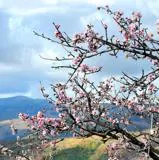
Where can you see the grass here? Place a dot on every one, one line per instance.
(91, 148)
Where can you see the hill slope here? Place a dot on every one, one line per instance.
(11, 107)
(91, 148)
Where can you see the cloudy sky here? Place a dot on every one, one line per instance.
(21, 68)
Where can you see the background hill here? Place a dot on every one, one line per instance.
(11, 107)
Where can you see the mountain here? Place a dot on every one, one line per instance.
(12, 106)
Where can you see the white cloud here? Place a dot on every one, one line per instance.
(150, 7)
(101, 2)
(95, 18)
(44, 66)
(53, 2)
(14, 23)
(154, 7)
(28, 94)
(27, 8)
(38, 62)
(24, 7)
(1, 4)
(90, 19)
(40, 10)
(5, 68)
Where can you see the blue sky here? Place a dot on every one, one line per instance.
(21, 68)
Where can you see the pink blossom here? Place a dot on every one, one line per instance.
(49, 120)
(157, 25)
(77, 120)
(23, 116)
(136, 16)
(104, 25)
(81, 94)
(103, 115)
(61, 115)
(52, 133)
(149, 36)
(95, 112)
(126, 36)
(110, 120)
(132, 27)
(44, 133)
(58, 34)
(77, 60)
(53, 144)
(41, 122)
(39, 114)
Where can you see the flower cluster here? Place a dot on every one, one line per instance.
(47, 126)
(77, 60)
(86, 68)
(90, 37)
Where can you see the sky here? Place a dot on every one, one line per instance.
(22, 69)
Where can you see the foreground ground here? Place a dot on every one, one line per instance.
(92, 148)
(77, 149)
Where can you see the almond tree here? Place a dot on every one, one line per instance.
(105, 109)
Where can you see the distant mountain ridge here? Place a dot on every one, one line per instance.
(12, 106)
